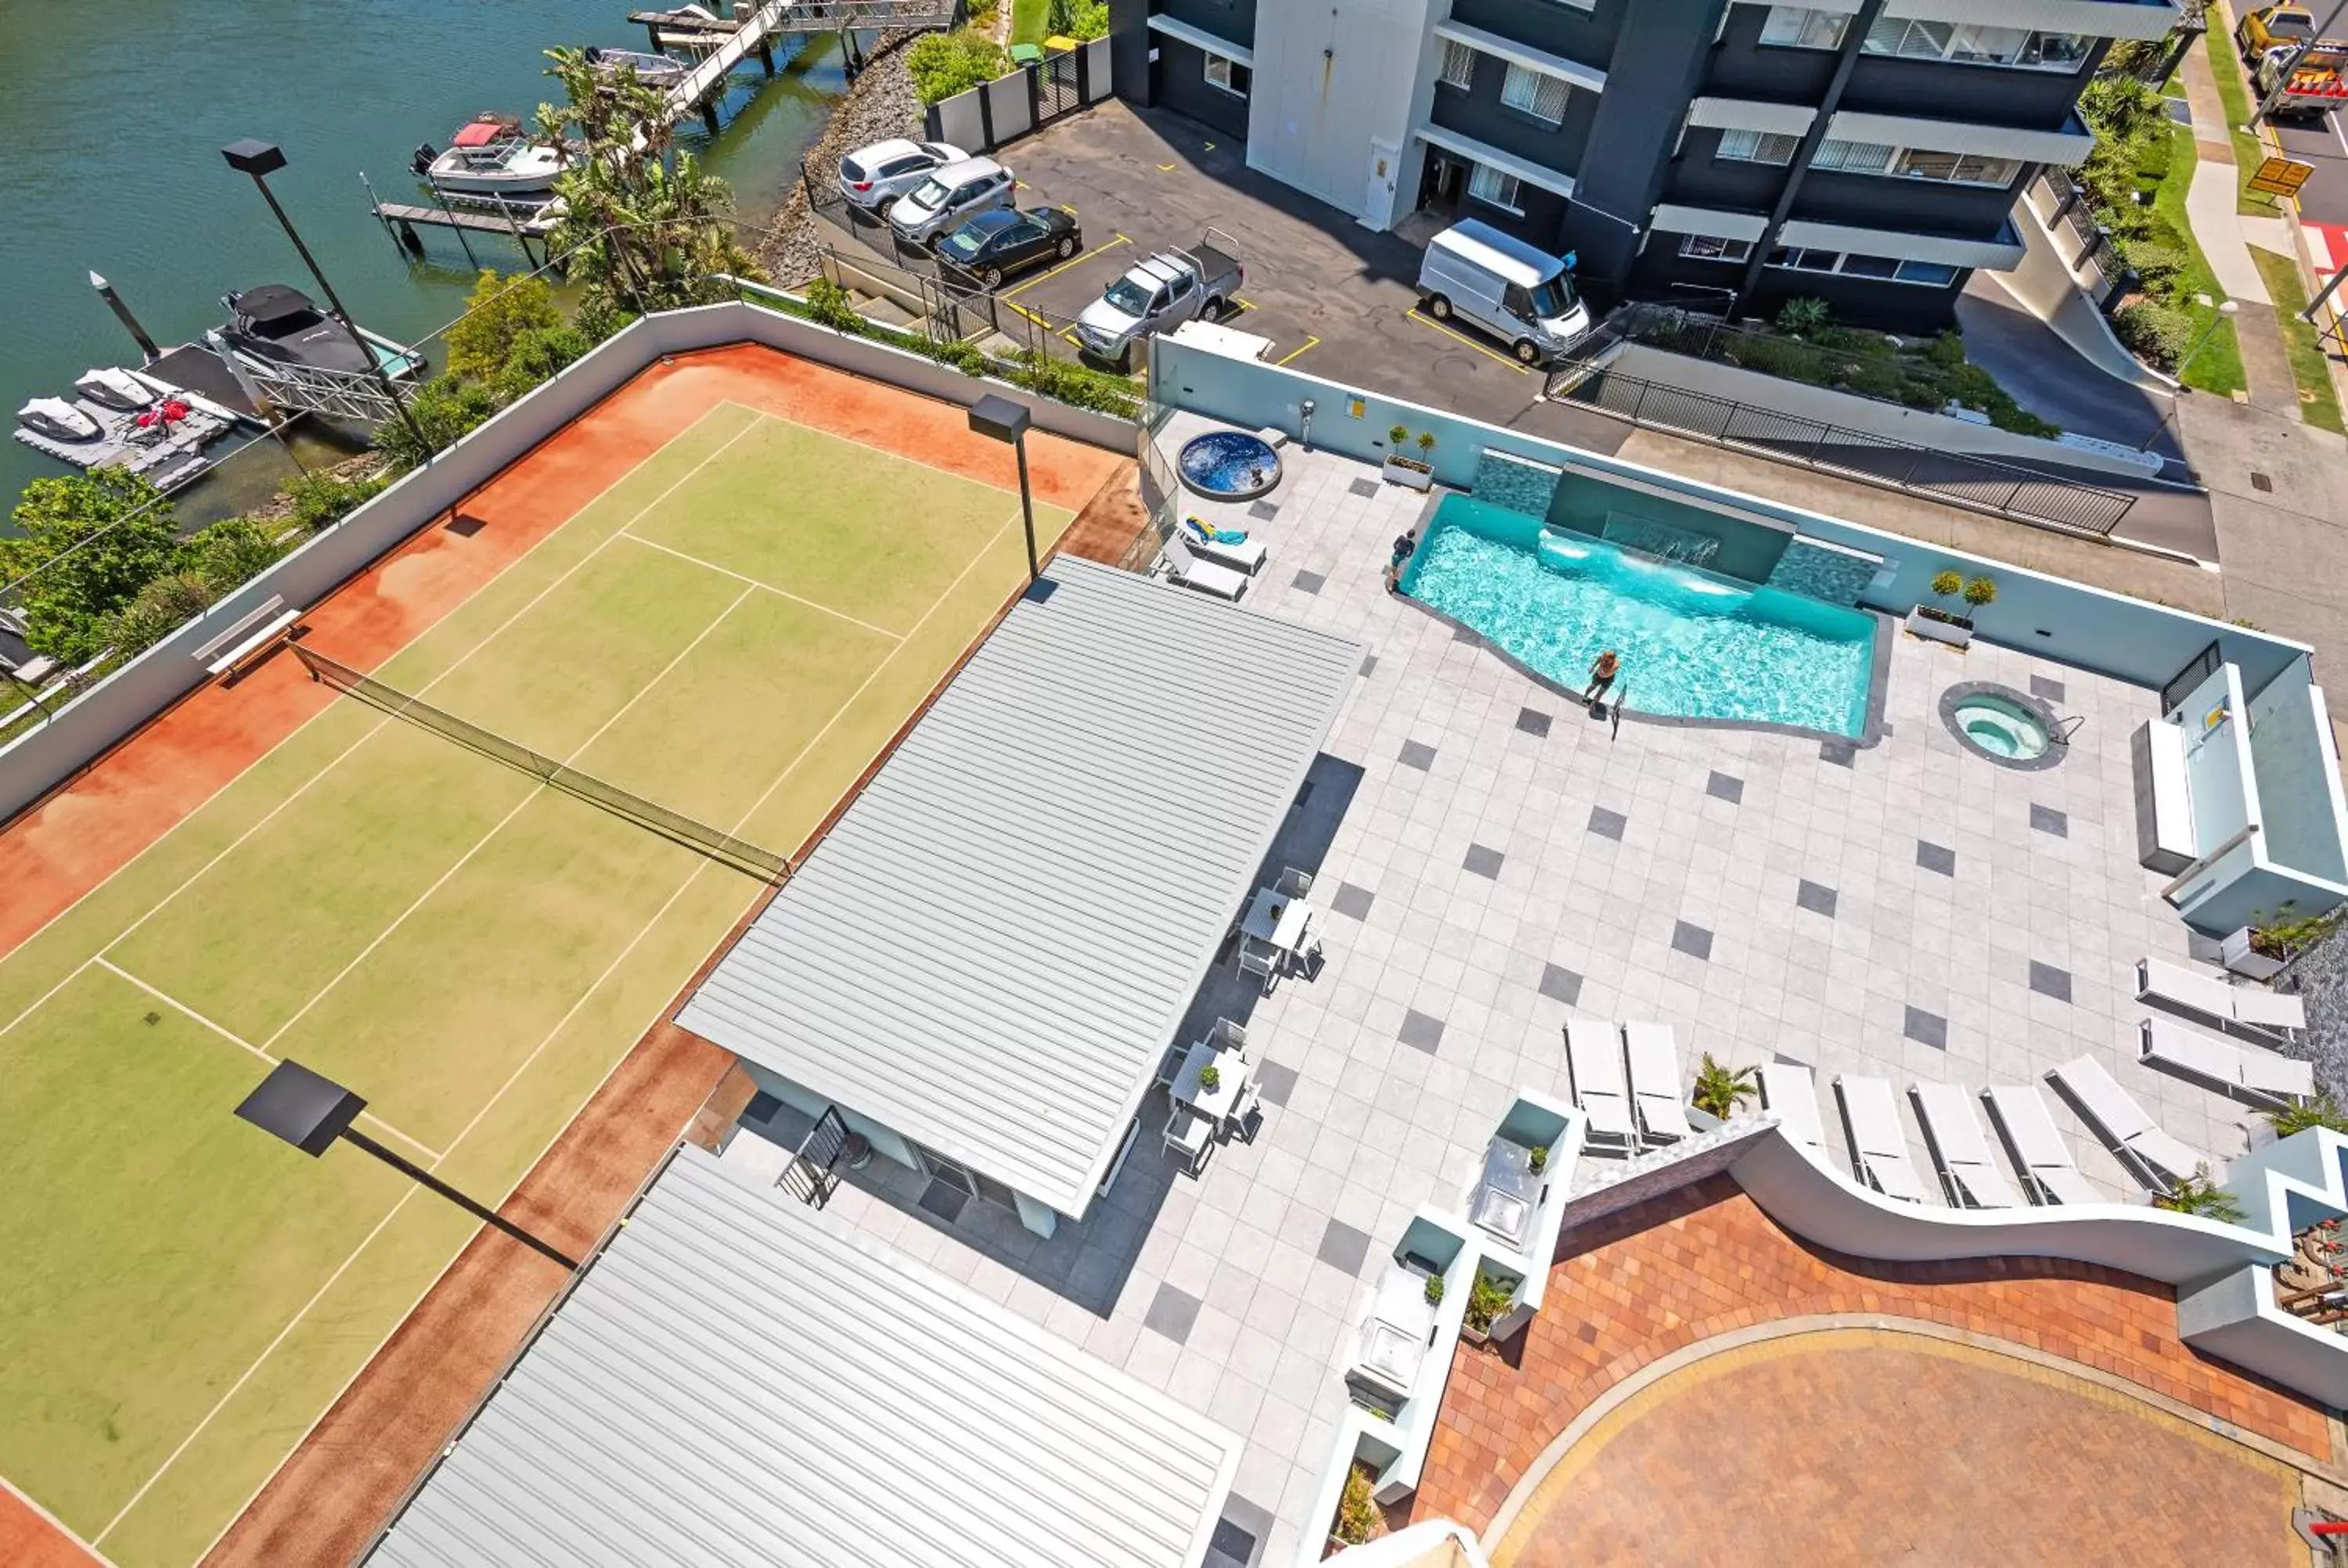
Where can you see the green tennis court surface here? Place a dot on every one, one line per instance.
(733, 631)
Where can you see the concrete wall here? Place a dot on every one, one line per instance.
(2298, 774)
(2130, 638)
(40, 760)
(1329, 80)
(2217, 761)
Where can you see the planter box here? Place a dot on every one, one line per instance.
(2248, 961)
(1933, 628)
(1407, 472)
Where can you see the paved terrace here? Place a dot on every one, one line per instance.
(1496, 863)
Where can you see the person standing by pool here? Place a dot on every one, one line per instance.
(1404, 545)
(1601, 676)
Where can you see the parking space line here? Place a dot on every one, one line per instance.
(1165, 169)
(1310, 342)
(1064, 266)
(1467, 341)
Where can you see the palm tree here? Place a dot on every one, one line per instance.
(2321, 1112)
(1720, 1090)
(2198, 1194)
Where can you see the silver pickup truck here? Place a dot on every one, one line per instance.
(1159, 294)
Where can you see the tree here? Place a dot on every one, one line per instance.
(2198, 1194)
(322, 500)
(1078, 19)
(443, 409)
(159, 610)
(1721, 1089)
(232, 551)
(497, 314)
(944, 64)
(88, 543)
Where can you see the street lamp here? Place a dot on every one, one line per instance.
(998, 417)
(311, 1112)
(262, 159)
(2226, 308)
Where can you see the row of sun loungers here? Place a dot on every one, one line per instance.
(1626, 1079)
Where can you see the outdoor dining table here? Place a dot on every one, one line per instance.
(1232, 1077)
(1280, 918)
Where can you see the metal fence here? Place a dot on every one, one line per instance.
(995, 114)
(1159, 492)
(2086, 246)
(1981, 482)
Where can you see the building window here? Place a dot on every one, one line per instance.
(1495, 186)
(1757, 146)
(1799, 27)
(1458, 64)
(1713, 247)
(1936, 274)
(1853, 156)
(1230, 76)
(1536, 93)
(1957, 168)
(1914, 38)
(1803, 260)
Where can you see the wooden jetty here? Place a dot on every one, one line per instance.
(516, 221)
(752, 33)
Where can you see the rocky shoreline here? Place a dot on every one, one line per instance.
(880, 104)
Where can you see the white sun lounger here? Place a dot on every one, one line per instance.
(1952, 1131)
(2190, 990)
(2255, 1007)
(1208, 576)
(1879, 1144)
(1248, 555)
(1656, 1089)
(1791, 1095)
(2238, 1069)
(2048, 1172)
(1594, 1051)
(2156, 1156)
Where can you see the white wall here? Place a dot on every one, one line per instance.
(1331, 77)
(2298, 776)
(2218, 760)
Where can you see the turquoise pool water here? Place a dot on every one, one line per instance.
(1694, 645)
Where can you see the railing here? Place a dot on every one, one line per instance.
(1963, 479)
(2085, 245)
(813, 1172)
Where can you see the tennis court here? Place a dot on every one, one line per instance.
(732, 630)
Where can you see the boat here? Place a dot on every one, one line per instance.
(657, 71)
(492, 155)
(59, 421)
(279, 321)
(116, 389)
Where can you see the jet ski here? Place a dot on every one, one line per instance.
(116, 389)
(58, 420)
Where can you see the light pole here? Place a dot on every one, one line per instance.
(997, 416)
(262, 159)
(2225, 308)
(311, 1112)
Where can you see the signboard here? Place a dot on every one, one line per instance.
(2281, 176)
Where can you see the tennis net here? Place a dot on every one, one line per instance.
(719, 846)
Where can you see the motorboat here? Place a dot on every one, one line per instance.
(59, 421)
(115, 389)
(492, 155)
(279, 321)
(659, 71)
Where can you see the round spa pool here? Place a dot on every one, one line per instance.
(1229, 465)
(2000, 725)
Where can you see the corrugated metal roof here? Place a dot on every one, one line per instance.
(740, 1379)
(992, 948)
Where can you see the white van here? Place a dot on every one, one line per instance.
(1472, 273)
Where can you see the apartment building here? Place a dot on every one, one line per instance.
(1866, 151)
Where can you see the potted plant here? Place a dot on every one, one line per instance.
(1407, 471)
(1491, 1297)
(1357, 1508)
(1210, 1078)
(2260, 950)
(1720, 1089)
(1434, 1290)
(1934, 624)
(1540, 1158)
(2198, 1194)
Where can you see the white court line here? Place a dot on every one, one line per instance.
(870, 446)
(767, 586)
(54, 1522)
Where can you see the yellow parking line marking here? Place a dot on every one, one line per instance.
(1207, 147)
(1243, 305)
(1467, 341)
(1064, 266)
(1024, 310)
(1071, 336)
(1165, 169)
(1310, 342)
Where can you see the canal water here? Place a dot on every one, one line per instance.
(115, 112)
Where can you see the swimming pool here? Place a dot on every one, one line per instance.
(1694, 645)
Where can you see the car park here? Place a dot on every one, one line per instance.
(1472, 273)
(1159, 294)
(1004, 241)
(873, 177)
(948, 196)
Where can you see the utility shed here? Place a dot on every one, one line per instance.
(741, 1380)
(992, 950)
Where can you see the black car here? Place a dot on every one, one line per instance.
(993, 245)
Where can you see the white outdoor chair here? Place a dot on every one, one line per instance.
(1952, 1131)
(1656, 1089)
(1192, 570)
(1171, 1065)
(1879, 1144)
(1789, 1094)
(2190, 990)
(2158, 1158)
(1228, 1036)
(1261, 959)
(1295, 884)
(1247, 1114)
(2242, 1070)
(1593, 1051)
(2255, 1007)
(2048, 1172)
(1189, 1134)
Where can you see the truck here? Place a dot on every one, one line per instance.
(1159, 294)
(2303, 79)
(2259, 33)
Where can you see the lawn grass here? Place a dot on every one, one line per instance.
(470, 951)
(1030, 20)
(2218, 365)
(2319, 402)
(2249, 151)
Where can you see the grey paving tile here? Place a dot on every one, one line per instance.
(2046, 819)
(1417, 754)
(1926, 1028)
(1934, 857)
(1818, 898)
(1608, 824)
(1533, 722)
(2046, 687)
(1725, 786)
(1351, 902)
(1265, 511)
(1482, 861)
(1172, 1313)
(944, 1200)
(1419, 1031)
(1366, 488)
(1344, 1247)
(1842, 753)
(1693, 940)
(1238, 1536)
(2049, 981)
(1309, 582)
(1560, 985)
(1276, 1081)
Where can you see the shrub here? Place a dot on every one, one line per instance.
(1075, 384)
(441, 410)
(2157, 333)
(87, 544)
(1720, 1089)
(534, 356)
(2321, 1112)
(231, 551)
(1807, 314)
(2121, 110)
(1491, 1297)
(1358, 1511)
(159, 608)
(828, 303)
(321, 500)
(1078, 19)
(1980, 591)
(600, 316)
(2157, 266)
(944, 64)
(964, 356)
(498, 313)
(1947, 584)
(1947, 350)
(2199, 1193)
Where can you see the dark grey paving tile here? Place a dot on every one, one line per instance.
(1816, 898)
(1725, 786)
(1482, 861)
(1419, 1031)
(1351, 902)
(1465, 634)
(1364, 488)
(1927, 1029)
(944, 1200)
(1342, 1246)
(1265, 511)
(1532, 722)
(1417, 754)
(1172, 1313)
(1842, 753)
(1239, 1534)
(1934, 857)
(1560, 985)
(1693, 940)
(2045, 688)
(2049, 981)
(1310, 581)
(1369, 663)
(1276, 1081)
(1608, 824)
(2046, 819)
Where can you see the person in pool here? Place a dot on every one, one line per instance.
(1402, 546)
(1601, 676)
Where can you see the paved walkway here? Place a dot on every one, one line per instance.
(2226, 238)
